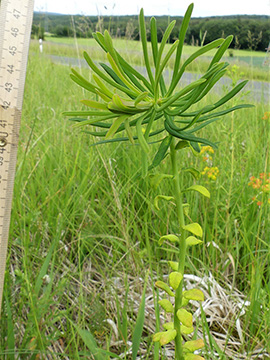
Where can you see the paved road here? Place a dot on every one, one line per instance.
(254, 91)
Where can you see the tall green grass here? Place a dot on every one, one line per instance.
(81, 220)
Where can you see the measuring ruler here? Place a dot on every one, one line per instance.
(15, 30)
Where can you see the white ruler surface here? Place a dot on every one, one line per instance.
(15, 30)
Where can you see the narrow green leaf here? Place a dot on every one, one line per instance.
(106, 78)
(187, 136)
(113, 75)
(110, 49)
(144, 45)
(78, 79)
(231, 94)
(149, 120)
(201, 126)
(195, 147)
(154, 43)
(119, 139)
(216, 77)
(100, 40)
(221, 50)
(161, 153)
(95, 120)
(192, 122)
(194, 228)
(163, 286)
(87, 113)
(103, 87)
(166, 305)
(141, 97)
(120, 104)
(199, 188)
(121, 75)
(175, 279)
(162, 45)
(129, 132)
(115, 125)
(171, 99)
(194, 294)
(164, 63)
(196, 54)
(182, 34)
(129, 69)
(135, 80)
(216, 114)
(144, 145)
(94, 104)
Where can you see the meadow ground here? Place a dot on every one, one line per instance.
(84, 232)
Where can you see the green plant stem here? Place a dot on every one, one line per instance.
(182, 250)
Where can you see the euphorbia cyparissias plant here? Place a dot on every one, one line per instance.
(147, 111)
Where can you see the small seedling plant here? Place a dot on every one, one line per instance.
(147, 111)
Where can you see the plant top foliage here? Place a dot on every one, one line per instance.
(139, 109)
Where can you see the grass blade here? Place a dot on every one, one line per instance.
(89, 340)
(136, 337)
(10, 335)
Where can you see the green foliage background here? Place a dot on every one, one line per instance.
(127, 26)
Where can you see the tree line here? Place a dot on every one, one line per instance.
(250, 32)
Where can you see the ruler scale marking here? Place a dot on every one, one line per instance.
(16, 21)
